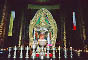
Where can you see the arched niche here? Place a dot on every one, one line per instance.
(43, 22)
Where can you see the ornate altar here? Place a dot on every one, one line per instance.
(43, 23)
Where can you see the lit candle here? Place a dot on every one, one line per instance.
(71, 52)
(27, 49)
(59, 52)
(48, 38)
(59, 47)
(65, 52)
(71, 48)
(34, 34)
(27, 56)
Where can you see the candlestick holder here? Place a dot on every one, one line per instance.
(15, 48)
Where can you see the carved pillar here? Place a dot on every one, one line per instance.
(3, 24)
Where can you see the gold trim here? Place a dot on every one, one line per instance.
(51, 21)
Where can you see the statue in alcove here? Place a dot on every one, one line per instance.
(43, 28)
(42, 40)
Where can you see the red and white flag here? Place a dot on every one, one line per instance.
(74, 21)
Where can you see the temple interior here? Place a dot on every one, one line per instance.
(43, 29)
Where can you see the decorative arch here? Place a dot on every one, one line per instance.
(43, 19)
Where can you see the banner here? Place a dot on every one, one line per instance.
(74, 21)
(11, 23)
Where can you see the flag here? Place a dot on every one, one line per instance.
(74, 21)
(11, 23)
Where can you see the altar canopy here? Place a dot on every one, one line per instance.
(43, 23)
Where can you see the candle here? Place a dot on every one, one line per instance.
(34, 34)
(59, 52)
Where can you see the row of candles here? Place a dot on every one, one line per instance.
(21, 53)
(34, 52)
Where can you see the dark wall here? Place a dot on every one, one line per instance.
(66, 8)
